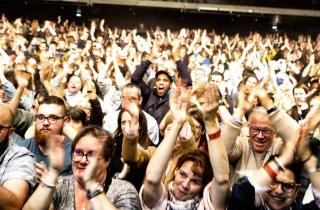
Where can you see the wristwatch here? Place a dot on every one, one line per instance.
(271, 109)
(94, 192)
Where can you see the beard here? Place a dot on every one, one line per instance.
(4, 144)
(41, 137)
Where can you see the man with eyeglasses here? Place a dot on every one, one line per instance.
(266, 124)
(49, 120)
(274, 185)
(17, 166)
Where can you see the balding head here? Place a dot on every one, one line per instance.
(6, 116)
(261, 132)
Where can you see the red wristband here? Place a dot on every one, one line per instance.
(270, 171)
(214, 136)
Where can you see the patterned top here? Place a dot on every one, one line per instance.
(163, 203)
(121, 193)
(17, 163)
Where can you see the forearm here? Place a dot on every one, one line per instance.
(286, 127)
(220, 166)
(182, 67)
(231, 131)
(8, 200)
(42, 197)
(129, 149)
(159, 161)
(224, 114)
(140, 71)
(14, 103)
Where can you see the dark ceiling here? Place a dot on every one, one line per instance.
(297, 4)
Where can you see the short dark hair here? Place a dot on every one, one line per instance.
(77, 115)
(302, 86)
(97, 132)
(54, 100)
(217, 73)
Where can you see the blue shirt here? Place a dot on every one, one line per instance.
(33, 147)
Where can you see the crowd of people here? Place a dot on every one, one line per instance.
(93, 117)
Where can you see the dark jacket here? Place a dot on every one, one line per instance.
(152, 103)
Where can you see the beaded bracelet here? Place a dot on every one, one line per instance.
(48, 185)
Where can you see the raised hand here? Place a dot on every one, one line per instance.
(46, 69)
(41, 169)
(22, 78)
(55, 153)
(206, 96)
(90, 173)
(132, 130)
(245, 100)
(179, 103)
(303, 146)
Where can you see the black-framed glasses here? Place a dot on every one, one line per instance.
(2, 127)
(51, 118)
(285, 186)
(78, 155)
(265, 131)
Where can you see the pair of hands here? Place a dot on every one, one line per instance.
(205, 96)
(247, 97)
(55, 146)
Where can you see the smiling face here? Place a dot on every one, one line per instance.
(91, 146)
(162, 84)
(261, 132)
(187, 184)
(276, 197)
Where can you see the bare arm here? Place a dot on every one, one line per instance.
(22, 80)
(8, 200)
(217, 151)
(159, 161)
(42, 197)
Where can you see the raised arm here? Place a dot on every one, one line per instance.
(42, 197)
(131, 152)
(100, 201)
(22, 78)
(182, 66)
(233, 126)
(152, 185)
(286, 127)
(207, 101)
(137, 78)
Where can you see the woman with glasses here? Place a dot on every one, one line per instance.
(89, 187)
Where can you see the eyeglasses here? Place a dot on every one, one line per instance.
(78, 155)
(2, 127)
(51, 118)
(265, 131)
(285, 186)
